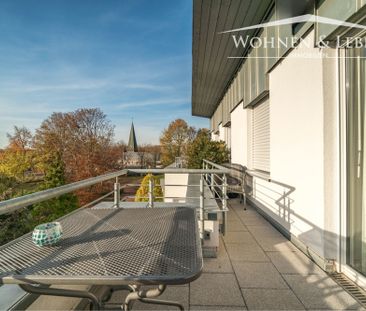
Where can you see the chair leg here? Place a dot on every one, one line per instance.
(145, 297)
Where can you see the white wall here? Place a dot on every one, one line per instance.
(178, 192)
(296, 127)
(239, 146)
(297, 146)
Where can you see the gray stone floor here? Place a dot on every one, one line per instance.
(256, 269)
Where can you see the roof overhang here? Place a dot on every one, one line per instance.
(212, 69)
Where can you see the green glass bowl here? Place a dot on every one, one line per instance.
(47, 234)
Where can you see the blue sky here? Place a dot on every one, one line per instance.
(131, 58)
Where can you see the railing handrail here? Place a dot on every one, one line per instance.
(218, 166)
(286, 194)
(268, 179)
(14, 204)
(179, 171)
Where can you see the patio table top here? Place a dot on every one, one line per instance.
(110, 247)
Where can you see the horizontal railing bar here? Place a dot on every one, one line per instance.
(171, 185)
(268, 188)
(14, 204)
(97, 200)
(215, 165)
(130, 185)
(267, 178)
(172, 198)
(264, 194)
(33, 198)
(180, 171)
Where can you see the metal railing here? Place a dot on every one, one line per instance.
(15, 204)
(250, 189)
(213, 180)
(283, 201)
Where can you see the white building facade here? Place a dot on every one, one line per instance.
(295, 117)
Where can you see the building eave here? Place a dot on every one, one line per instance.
(212, 71)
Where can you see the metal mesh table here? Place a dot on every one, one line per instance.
(111, 247)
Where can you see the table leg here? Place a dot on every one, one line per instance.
(146, 296)
(112, 289)
(41, 290)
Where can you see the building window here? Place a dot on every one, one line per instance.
(356, 159)
(261, 137)
(228, 137)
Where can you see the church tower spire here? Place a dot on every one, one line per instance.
(132, 142)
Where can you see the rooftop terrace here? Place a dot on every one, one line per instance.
(257, 268)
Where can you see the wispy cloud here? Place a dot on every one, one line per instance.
(149, 87)
(153, 102)
(58, 87)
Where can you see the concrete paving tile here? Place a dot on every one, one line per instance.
(239, 238)
(294, 263)
(276, 244)
(216, 308)
(249, 213)
(246, 252)
(235, 225)
(235, 220)
(271, 299)
(264, 231)
(240, 214)
(258, 275)
(221, 264)
(238, 208)
(214, 289)
(217, 265)
(48, 303)
(235, 203)
(321, 292)
(253, 220)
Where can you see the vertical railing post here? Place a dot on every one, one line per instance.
(245, 190)
(212, 181)
(284, 204)
(151, 192)
(224, 192)
(205, 168)
(224, 201)
(117, 193)
(202, 206)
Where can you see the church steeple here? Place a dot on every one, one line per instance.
(132, 142)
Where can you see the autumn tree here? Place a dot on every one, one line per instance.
(203, 147)
(175, 140)
(18, 158)
(82, 139)
(52, 209)
(21, 139)
(142, 194)
(116, 152)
